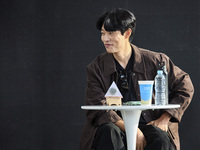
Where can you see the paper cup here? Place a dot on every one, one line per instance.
(146, 90)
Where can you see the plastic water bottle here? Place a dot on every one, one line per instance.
(162, 66)
(160, 87)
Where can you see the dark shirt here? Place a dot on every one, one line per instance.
(125, 83)
(125, 80)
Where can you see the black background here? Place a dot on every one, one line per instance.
(45, 46)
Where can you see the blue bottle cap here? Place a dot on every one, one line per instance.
(159, 72)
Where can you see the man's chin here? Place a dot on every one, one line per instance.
(109, 50)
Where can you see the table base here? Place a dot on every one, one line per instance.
(131, 119)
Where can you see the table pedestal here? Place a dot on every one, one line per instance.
(131, 119)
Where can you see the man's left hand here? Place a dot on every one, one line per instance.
(162, 122)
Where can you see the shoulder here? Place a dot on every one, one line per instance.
(148, 54)
(148, 58)
(100, 61)
(97, 60)
(152, 56)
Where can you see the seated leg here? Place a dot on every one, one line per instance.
(109, 137)
(156, 138)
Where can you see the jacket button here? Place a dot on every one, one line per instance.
(133, 73)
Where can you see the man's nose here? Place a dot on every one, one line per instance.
(105, 38)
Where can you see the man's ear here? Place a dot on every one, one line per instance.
(127, 33)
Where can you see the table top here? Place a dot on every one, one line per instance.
(125, 107)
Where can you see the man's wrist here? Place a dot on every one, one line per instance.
(166, 117)
(120, 124)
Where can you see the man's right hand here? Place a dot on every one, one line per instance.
(120, 124)
(140, 141)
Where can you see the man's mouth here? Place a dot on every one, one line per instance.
(107, 45)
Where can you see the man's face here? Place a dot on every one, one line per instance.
(113, 41)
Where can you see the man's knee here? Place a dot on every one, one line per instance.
(109, 137)
(155, 133)
(109, 128)
(157, 138)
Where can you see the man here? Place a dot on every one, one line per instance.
(125, 64)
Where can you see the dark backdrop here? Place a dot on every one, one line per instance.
(45, 46)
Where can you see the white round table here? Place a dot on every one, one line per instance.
(131, 116)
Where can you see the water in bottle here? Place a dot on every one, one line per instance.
(162, 66)
(160, 87)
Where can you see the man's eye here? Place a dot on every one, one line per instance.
(111, 32)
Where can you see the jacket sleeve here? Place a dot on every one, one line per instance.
(95, 91)
(181, 90)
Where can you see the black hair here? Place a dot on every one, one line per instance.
(117, 19)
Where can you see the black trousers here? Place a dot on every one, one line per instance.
(110, 137)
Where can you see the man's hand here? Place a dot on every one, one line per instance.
(161, 122)
(140, 141)
(120, 124)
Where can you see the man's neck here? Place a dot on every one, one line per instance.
(123, 56)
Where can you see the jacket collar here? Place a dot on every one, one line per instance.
(138, 64)
(110, 67)
(109, 64)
